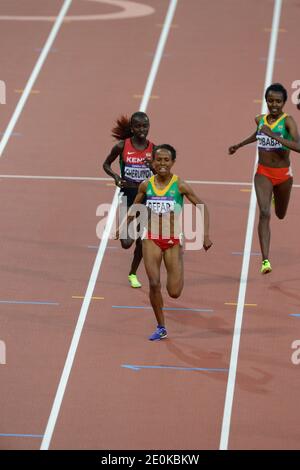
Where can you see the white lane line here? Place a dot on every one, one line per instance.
(59, 178)
(97, 264)
(100, 178)
(92, 178)
(34, 75)
(225, 183)
(129, 9)
(158, 54)
(247, 250)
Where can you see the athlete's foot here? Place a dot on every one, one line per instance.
(266, 267)
(159, 333)
(133, 280)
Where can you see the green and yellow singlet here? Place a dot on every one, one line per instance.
(164, 201)
(165, 209)
(278, 127)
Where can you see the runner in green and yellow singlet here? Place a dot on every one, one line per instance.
(277, 135)
(164, 194)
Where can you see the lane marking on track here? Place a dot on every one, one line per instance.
(245, 190)
(225, 183)
(31, 81)
(29, 302)
(129, 9)
(55, 178)
(188, 369)
(226, 421)
(173, 309)
(172, 25)
(253, 253)
(32, 92)
(96, 247)
(264, 59)
(235, 303)
(151, 54)
(37, 436)
(152, 97)
(99, 257)
(14, 134)
(82, 297)
(52, 50)
(100, 178)
(280, 30)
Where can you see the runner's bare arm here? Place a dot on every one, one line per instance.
(141, 193)
(252, 138)
(187, 191)
(114, 154)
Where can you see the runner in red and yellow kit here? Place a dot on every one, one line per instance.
(277, 134)
(134, 152)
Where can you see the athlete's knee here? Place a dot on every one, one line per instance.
(265, 213)
(154, 284)
(174, 292)
(280, 213)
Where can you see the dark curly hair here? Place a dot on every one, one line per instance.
(277, 87)
(166, 147)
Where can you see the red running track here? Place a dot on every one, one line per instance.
(204, 98)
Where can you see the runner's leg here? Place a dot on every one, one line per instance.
(282, 194)
(264, 190)
(152, 255)
(173, 260)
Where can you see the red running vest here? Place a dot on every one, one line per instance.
(134, 167)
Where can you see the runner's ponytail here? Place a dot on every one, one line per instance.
(122, 130)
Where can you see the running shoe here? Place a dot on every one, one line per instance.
(266, 267)
(159, 333)
(133, 280)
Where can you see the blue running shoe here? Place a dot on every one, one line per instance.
(159, 333)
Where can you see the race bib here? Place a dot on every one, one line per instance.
(137, 173)
(267, 143)
(161, 204)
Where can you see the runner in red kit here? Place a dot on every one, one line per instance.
(135, 154)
